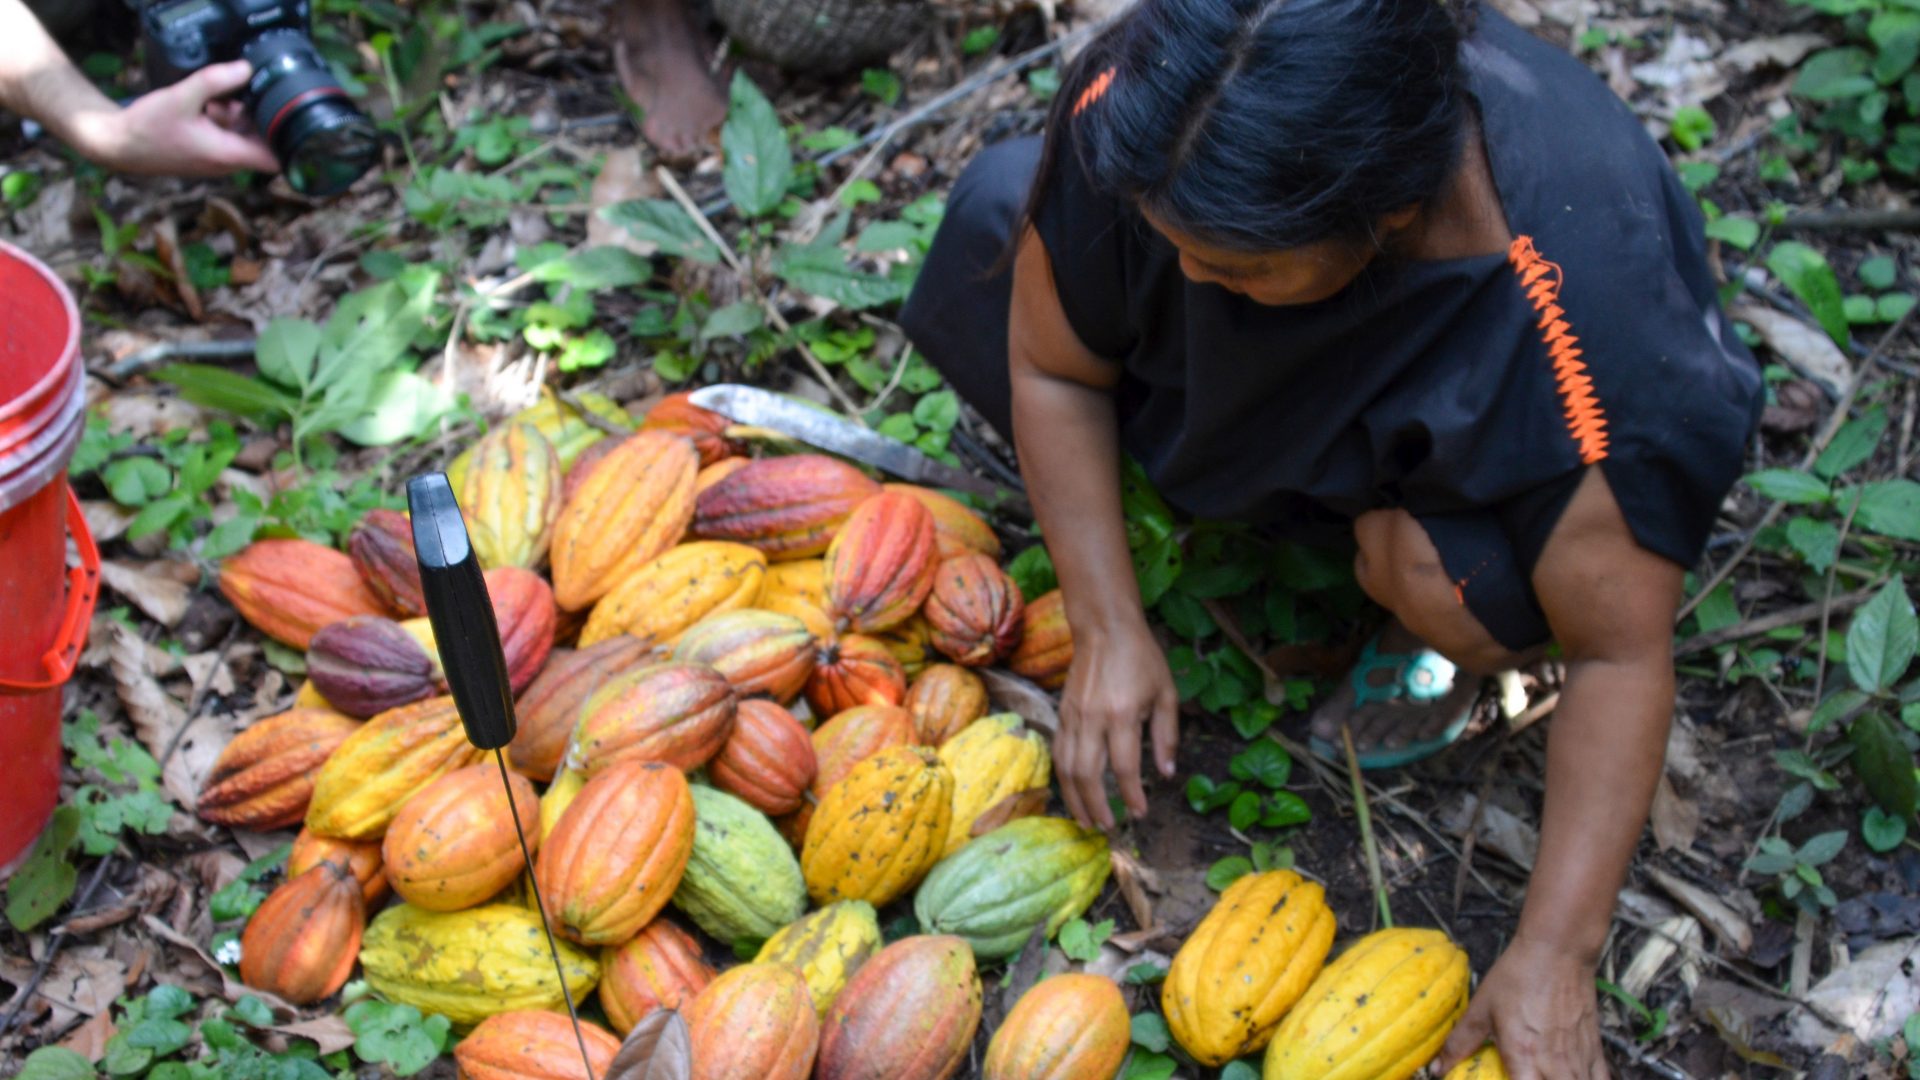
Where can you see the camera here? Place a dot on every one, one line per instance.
(323, 141)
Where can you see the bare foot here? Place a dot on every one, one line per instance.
(1398, 721)
(661, 59)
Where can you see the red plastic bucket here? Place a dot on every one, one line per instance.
(45, 606)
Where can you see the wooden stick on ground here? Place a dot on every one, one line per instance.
(1366, 829)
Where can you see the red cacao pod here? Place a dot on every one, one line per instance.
(1046, 643)
(768, 760)
(662, 968)
(706, 429)
(361, 858)
(759, 652)
(788, 507)
(523, 609)
(550, 709)
(289, 589)
(301, 942)
(855, 670)
(264, 777)
(909, 1013)
(533, 1044)
(717, 472)
(680, 714)
(452, 846)
(880, 564)
(617, 853)
(381, 547)
(754, 1021)
(944, 700)
(975, 610)
(368, 664)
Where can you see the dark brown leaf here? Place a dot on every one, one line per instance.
(658, 1048)
(166, 244)
(1021, 804)
(1011, 693)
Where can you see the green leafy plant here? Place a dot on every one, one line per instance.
(1653, 1021)
(1149, 1059)
(1866, 90)
(397, 1036)
(1798, 869)
(1081, 940)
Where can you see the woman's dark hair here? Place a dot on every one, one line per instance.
(1260, 125)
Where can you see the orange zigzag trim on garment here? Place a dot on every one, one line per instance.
(1095, 91)
(1586, 420)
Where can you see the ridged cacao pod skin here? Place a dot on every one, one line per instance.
(1068, 1027)
(879, 831)
(452, 846)
(841, 743)
(911, 643)
(975, 611)
(367, 664)
(759, 652)
(853, 671)
(826, 948)
(289, 589)
(264, 778)
(660, 969)
(943, 701)
(1380, 1011)
(523, 609)
(666, 597)
(710, 475)
(957, 529)
(1485, 1064)
(469, 965)
(880, 564)
(768, 761)
(301, 942)
(567, 432)
(533, 1044)
(510, 496)
(676, 414)
(754, 1021)
(1046, 644)
(1037, 871)
(633, 506)
(788, 507)
(742, 882)
(680, 714)
(582, 468)
(993, 758)
(361, 858)
(381, 547)
(559, 795)
(550, 708)
(617, 853)
(909, 1013)
(799, 588)
(379, 767)
(1246, 964)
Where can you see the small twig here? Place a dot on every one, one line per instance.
(1470, 840)
(1800, 972)
(1642, 1058)
(1826, 601)
(1366, 829)
(226, 349)
(1792, 616)
(1733, 969)
(1864, 220)
(592, 419)
(766, 303)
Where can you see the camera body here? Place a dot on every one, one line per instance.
(323, 141)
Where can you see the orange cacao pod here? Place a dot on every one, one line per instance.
(943, 700)
(452, 846)
(264, 777)
(630, 509)
(759, 652)
(880, 564)
(1068, 1027)
(523, 610)
(662, 968)
(582, 467)
(1046, 643)
(289, 589)
(680, 714)
(975, 611)
(380, 766)
(381, 547)
(617, 853)
(510, 495)
(755, 1020)
(768, 760)
(550, 709)
(667, 596)
(367, 664)
(855, 670)
(361, 858)
(718, 471)
(957, 529)
(706, 429)
(533, 1044)
(909, 1013)
(301, 942)
(788, 507)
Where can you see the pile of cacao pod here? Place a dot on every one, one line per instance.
(747, 692)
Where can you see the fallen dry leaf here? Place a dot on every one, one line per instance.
(166, 245)
(1782, 51)
(1500, 830)
(158, 718)
(89, 1040)
(230, 988)
(1011, 693)
(1668, 937)
(330, 1032)
(106, 520)
(1738, 1015)
(152, 589)
(1130, 876)
(1728, 927)
(658, 1048)
(1804, 347)
(1871, 997)
(1021, 804)
(1675, 818)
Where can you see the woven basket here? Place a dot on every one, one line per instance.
(822, 36)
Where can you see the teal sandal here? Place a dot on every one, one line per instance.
(1420, 678)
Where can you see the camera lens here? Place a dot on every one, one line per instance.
(322, 140)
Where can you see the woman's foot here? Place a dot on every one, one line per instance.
(1432, 697)
(661, 59)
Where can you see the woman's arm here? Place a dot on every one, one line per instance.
(1064, 424)
(1611, 605)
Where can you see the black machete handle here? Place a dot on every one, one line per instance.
(461, 613)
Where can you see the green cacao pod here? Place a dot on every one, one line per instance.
(741, 883)
(1032, 872)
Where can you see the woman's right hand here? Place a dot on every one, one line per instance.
(1118, 682)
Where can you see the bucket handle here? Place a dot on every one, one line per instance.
(83, 590)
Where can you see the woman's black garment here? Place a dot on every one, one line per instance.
(1471, 392)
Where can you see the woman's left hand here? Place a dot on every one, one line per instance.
(1539, 1007)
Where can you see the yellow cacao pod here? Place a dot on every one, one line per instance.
(826, 948)
(668, 595)
(469, 965)
(992, 759)
(1246, 964)
(632, 507)
(911, 643)
(510, 497)
(1380, 1011)
(1484, 1064)
(799, 588)
(880, 830)
(564, 428)
(379, 767)
(558, 796)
